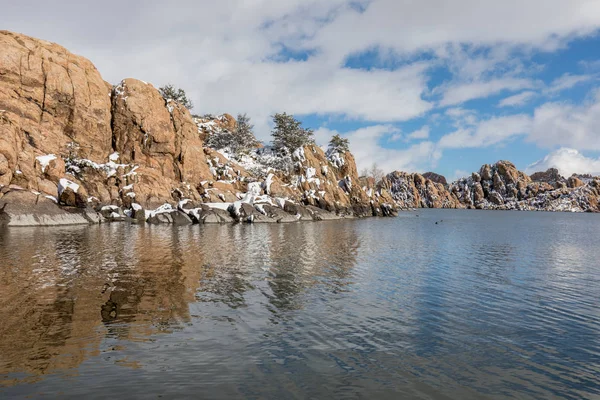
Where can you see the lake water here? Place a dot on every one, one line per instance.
(480, 305)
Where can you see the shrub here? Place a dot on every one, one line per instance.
(169, 92)
(289, 135)
(338, 144)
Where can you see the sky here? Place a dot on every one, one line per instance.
(428, 85)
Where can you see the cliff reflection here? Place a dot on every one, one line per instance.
(68, 294)
(65, 290)
(289, 258)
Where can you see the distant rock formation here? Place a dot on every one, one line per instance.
(437, 178)
(497, 187)
(502, 187)
(416, 191)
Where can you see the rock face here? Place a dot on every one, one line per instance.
(416, 191)
(551, 176)
(497, 187)
(24, 208)
(502, 187)
(437, 178)
(68, 134)
(48, 98)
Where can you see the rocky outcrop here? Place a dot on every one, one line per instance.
(210, 124)
(24, 208)
(73, 147)
(67, 134)
(48, 99)
(416, 191)
(437, 178)
(502, 187)
(497, 187)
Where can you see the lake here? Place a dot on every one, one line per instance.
(434, 304)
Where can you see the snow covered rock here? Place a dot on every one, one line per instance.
(70, 194)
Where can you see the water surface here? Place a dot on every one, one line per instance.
(480, 305)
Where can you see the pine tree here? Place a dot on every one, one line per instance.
(243, 139)
(338, 144)
(240, 141)
(169, 92)
(288, 134)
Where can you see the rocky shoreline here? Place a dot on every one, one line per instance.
(75, 149)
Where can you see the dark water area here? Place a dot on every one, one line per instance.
(480, 305)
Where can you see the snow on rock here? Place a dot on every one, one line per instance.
(45, 161)
(64, 183)
(220, 206)
(298, 155)
(165, 208)
(267, 183)
(336, 159)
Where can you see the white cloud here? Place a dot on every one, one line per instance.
(462, 92)
(488, 132)
(564, 124)
(422, 133)
(517, 100)
(567, 161)
(366, 147)
(567, 81)
(412, 26)
(233, 55)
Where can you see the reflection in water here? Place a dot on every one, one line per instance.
(482, 305)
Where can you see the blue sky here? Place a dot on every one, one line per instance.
(415, 86)
(576, 64)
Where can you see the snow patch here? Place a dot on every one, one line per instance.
(45, 161)
(64, 183)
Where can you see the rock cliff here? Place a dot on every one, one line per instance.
(497, 187)
(69, 138)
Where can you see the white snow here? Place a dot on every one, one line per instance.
(267, 183)
(130, 194)
(114, 157)
(128, 187)
(64, 183)
(280, 201)
(220, 206)
(165, 208)
(183, 203)
(336, 159)
(107, 208)
(136, 206)
(298, 154)
(45, 161)
(310, 172)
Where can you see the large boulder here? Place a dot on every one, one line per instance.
(49, 98)
(26, 208)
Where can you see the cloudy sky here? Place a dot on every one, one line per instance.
(415, 85)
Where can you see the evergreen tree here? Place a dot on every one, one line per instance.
(338, 144)
(169, 92)
(244, 139)
(288, 134)
(241, 141)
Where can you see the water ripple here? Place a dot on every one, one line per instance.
(480, 305)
